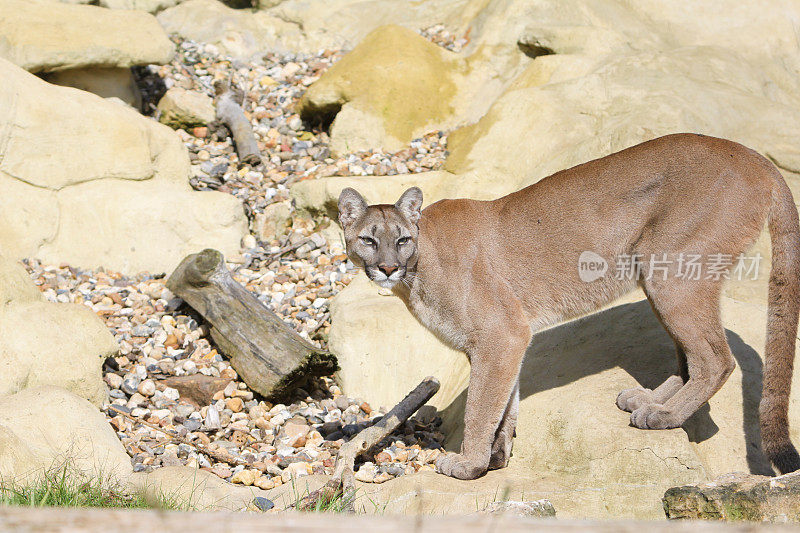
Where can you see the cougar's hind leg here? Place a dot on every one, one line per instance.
(504, 438)
(689, 310)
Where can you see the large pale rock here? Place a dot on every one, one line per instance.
(366, 348)
(194, 489)
(238, 33)
(43, 343)
(48, 427)
(344, 23)
(151, 6)
(179, 108)
(109, 173)
(304, 25)
(39, 35)
(737, 497)
(394, 86)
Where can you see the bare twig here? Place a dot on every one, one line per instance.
(229, 112)
(342, 483)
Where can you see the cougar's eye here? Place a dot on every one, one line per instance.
(368, 241)
(403, 240)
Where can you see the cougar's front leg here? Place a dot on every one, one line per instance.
(496, 359)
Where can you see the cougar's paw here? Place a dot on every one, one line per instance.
(653, 416)
(631, 399)
(457, 466)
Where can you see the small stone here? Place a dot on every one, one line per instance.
(147, 388)
(264, 483)
(366, 473)
(382, 477)
(130, 384)
(245, 477)
(114, 380)
(212, 420)
(298, 469)
(263, 504)
(234, 404)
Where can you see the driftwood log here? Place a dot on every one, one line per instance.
(342, 483)
(229, 101)
(268, 355)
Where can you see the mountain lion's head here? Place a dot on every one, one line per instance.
(381, 238)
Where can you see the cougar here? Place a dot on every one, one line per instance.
(484, 276)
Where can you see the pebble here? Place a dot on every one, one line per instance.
(244, 477)
(263, 504)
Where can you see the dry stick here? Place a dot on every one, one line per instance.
(342, 483)
(229, 112)
(218, 455)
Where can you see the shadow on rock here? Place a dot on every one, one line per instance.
(629, 337)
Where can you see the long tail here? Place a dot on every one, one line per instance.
(782, 317)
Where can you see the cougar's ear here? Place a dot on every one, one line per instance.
(410, 204)
(352, 206)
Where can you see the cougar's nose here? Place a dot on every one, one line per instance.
(386, 269)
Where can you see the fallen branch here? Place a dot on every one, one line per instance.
(268, 355)
(229, 111)
(342, 483)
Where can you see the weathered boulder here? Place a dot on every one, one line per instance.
(368, 351)
(179, 108)
(194, 489)
(87, 185)
(151, 6)
(303, 25)
(735, 497)
(532, 509)
(42, 36)
(238, 33)
(394, 86)
(274, 222)
(344, 23)
(47, 427)
(49, 344)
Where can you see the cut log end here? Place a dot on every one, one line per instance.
(315, 364)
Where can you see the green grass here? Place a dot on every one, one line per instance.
(64, 487)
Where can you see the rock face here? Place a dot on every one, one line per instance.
(88, 186)
(42, 36)
(48, 427)
(570, 432)
(553, 86)
(49, 344)
(736, 497)
(179, 108)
